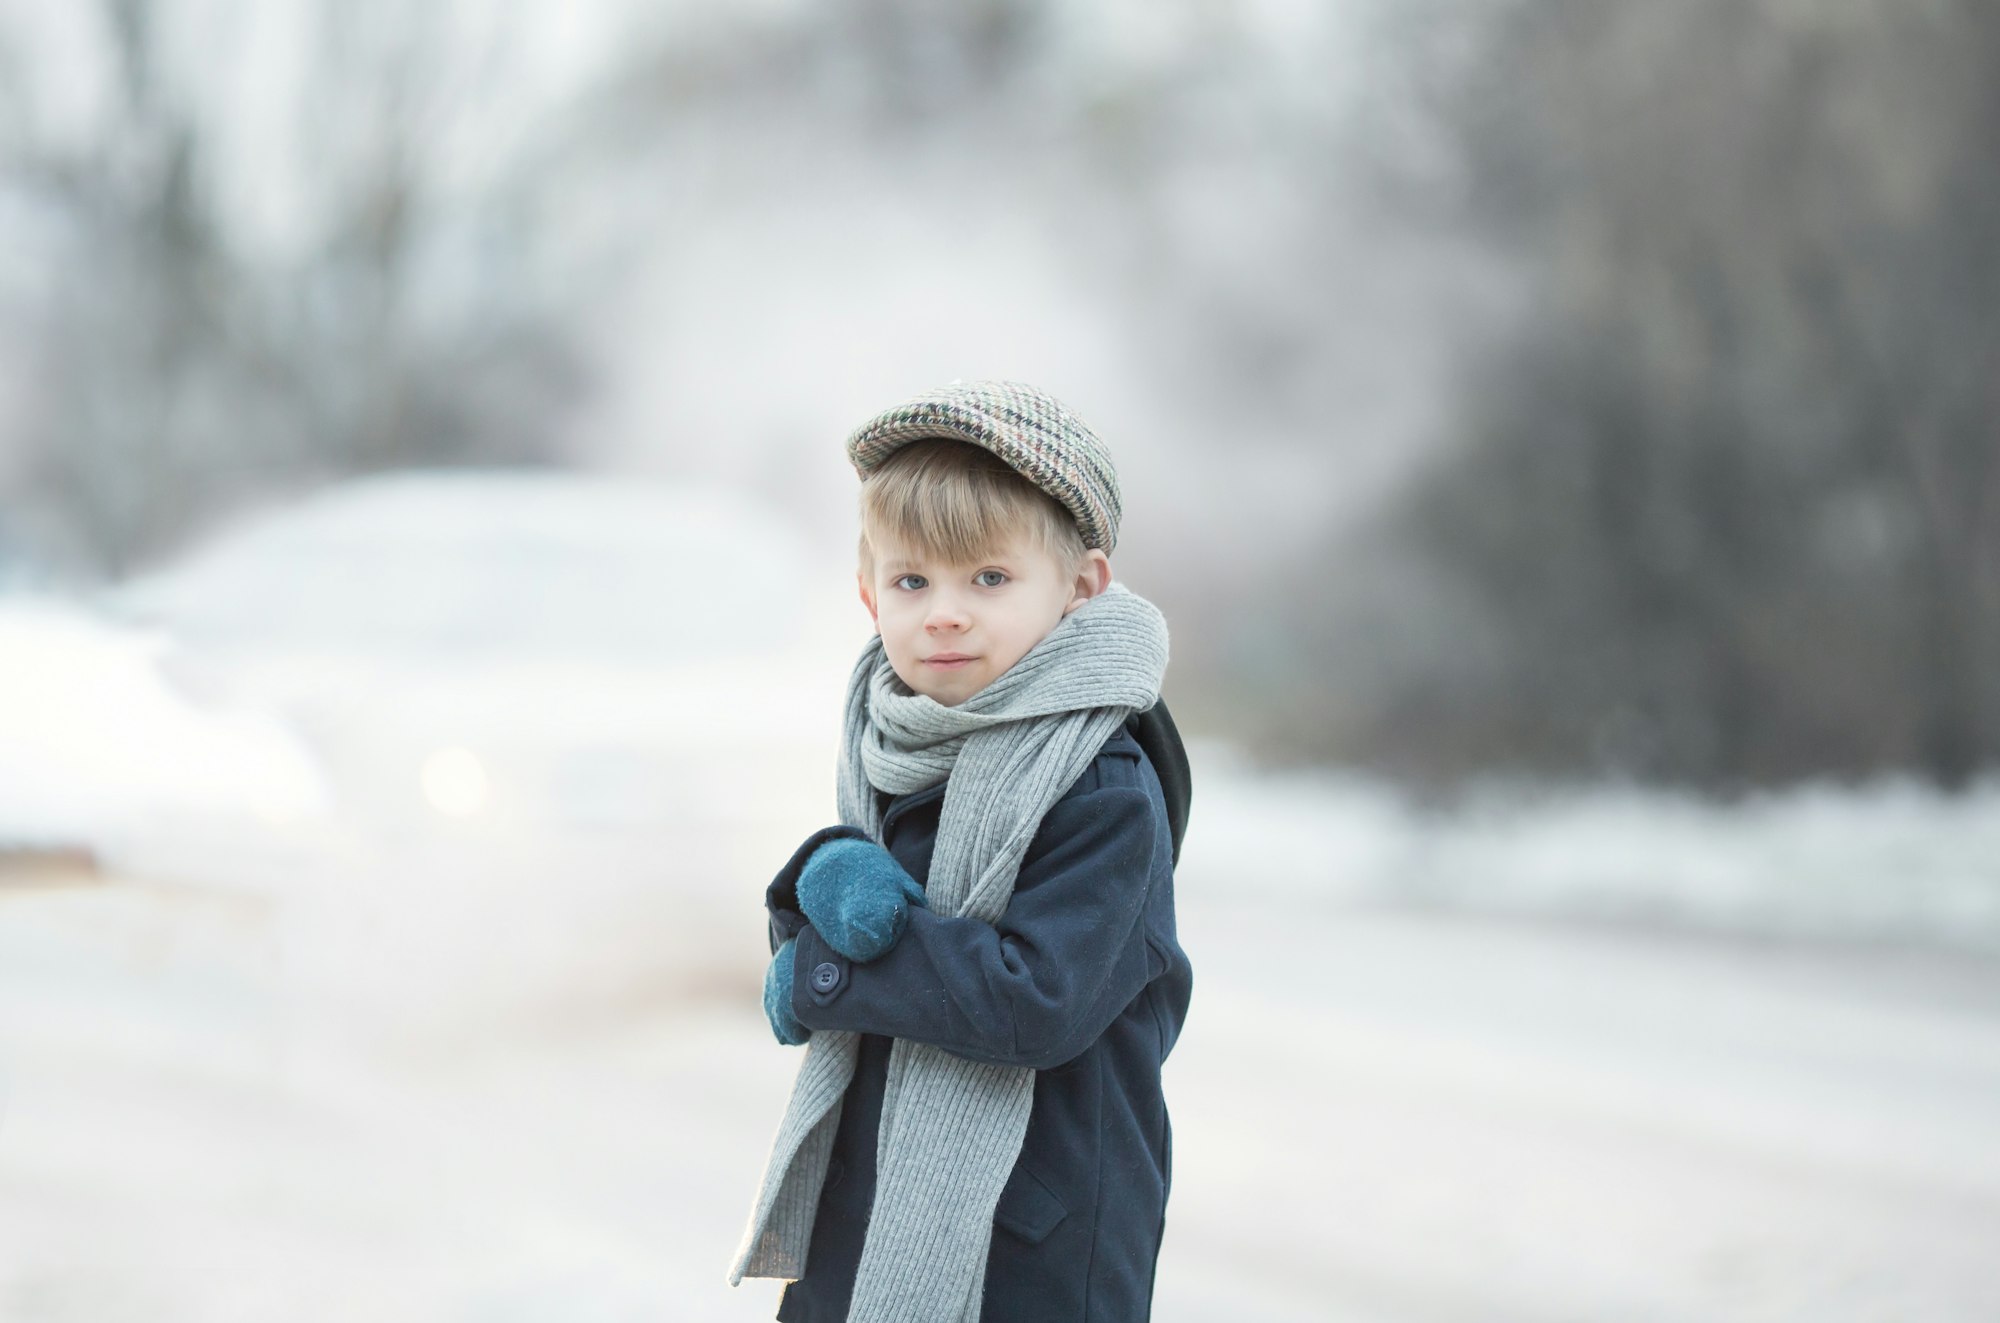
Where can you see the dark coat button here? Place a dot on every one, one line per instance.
(824, 976)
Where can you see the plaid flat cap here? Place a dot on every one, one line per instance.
(1028, 428)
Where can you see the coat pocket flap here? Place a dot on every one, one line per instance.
(1028, 1208)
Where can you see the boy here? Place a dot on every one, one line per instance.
(981, 957)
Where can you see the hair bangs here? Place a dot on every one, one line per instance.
(950, 500)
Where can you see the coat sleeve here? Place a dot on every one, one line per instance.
(1038, 987)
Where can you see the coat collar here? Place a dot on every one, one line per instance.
(901, 804)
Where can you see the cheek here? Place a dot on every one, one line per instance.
(895, 626)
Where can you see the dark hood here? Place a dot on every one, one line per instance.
(1155, 731)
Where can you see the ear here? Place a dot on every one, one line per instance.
(1092, 579)
(867, 600)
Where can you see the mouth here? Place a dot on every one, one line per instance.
(949, 661)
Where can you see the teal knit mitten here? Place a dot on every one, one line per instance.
(778, 999)
(857, 896)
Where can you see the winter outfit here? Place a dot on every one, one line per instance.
(984, 1046)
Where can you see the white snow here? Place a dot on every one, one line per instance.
(521, 1077)
(1579, 1053)
(1882, 862)
(96, 743)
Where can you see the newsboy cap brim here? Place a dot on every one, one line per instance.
(1029, 429)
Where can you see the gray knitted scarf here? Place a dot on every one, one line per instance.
(951, 1128)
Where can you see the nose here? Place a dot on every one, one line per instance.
(946, 612)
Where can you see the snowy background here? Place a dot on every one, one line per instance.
(324, 1032)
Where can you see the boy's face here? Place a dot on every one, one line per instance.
(989, 612)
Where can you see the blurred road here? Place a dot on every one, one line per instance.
(1380, 1117)
(1412, 1118)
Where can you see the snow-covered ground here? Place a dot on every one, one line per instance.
(1887, 862)
(96, 742)
(487, 1048)
(486, 1079)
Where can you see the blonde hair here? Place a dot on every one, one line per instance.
(950, 500)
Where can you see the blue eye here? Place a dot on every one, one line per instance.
(899, 580)
(983, 573)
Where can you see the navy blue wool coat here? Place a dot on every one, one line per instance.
(1082, 979)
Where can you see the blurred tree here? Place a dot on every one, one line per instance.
(1726, 507)
(188, 352)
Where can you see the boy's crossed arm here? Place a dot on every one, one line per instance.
(855, 894)
(1035, 989)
